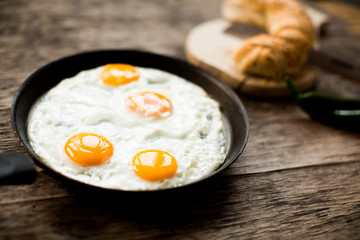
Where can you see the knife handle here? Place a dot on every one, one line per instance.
(16, 169)
(335, 65)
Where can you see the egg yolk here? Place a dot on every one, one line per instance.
(149, 104)
(88, 149)
(154, 165)
(118, 74)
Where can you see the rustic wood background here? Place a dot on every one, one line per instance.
(297, 179)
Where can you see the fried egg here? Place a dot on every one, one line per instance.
(126, 127)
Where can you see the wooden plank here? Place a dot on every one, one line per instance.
(345, 11)
(46, 186)
(312, 203)
(282, 136)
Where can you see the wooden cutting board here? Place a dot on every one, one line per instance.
(211, 47)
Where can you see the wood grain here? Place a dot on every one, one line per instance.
(297, 179)
(309, 203)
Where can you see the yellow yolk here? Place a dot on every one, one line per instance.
(150, 104)
(88, 149)
(154, 165)
(118, 74)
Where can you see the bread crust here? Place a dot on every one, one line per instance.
(284, 49)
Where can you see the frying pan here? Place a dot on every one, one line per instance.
(234, 115)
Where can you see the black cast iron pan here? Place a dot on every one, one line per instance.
(234, 114)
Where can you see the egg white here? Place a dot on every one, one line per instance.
(193, 133)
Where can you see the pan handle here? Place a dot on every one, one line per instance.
(16, 168)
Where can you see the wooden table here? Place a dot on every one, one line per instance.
(297, 179)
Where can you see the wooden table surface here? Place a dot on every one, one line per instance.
(297, 178)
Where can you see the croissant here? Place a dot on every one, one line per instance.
(284, 49)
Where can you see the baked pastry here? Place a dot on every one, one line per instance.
(284, 49)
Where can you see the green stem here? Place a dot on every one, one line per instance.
(295, 93)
